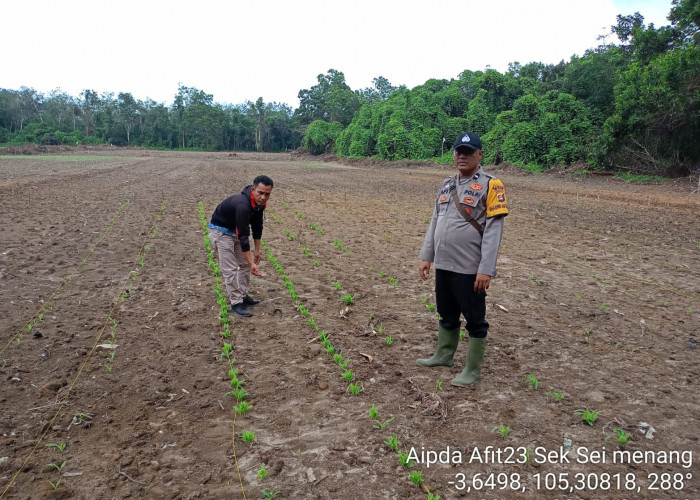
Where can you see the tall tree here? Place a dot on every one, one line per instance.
(331, 100)
(127, 113)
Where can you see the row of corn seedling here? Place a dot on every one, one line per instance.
(355, 387)
(47, 305)
(237, 390)
(133, 276)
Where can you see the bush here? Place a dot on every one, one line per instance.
(321, 137)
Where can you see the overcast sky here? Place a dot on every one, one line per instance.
(240, 50)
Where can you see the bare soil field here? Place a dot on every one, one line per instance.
(113, 381)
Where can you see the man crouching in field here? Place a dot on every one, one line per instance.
(229, 232)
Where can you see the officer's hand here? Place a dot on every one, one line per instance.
(256, 257)
(424, 269)
(482, 282)
(254, 270)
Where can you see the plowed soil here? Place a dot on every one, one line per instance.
(597, 301)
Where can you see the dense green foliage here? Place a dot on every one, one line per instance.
(193, 121)
(633, 106)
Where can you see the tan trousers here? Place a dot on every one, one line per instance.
(234, 267)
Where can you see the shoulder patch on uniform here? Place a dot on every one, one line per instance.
(496, 202)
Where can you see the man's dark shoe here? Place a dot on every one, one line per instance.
(250, 301)
(241, 309)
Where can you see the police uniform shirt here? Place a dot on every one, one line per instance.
(452, 243)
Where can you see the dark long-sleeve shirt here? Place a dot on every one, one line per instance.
(239, 213)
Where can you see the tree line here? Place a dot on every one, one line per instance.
(632, 105)
(192, 121)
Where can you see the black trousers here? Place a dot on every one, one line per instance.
(455, 295)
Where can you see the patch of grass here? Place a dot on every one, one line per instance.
(62, 158)
(628, 177)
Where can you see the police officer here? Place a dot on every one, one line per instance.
(229, 234)
(462, 242)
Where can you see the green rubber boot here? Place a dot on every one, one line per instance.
(475, 359)
(447, 345)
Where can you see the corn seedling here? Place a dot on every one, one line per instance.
(348, 375)
(316, 262)
(380, 328)
(226, 350)
(532, 380)
(502, 429)
(403, 458)
(430, 307)
(557, 395)
(82, 418)
(416, 477)
(316, 228)
(262, 472)
(242, 408)
(55, 485)
(373, 413)
(330, 350)
(269, 494)
(380, 425)
(338, 358)
(432, 496)
(393, 281)
(238, 393)
(355, 389)
(58, 467)
(382, 273)
(462, 334)
(388, 340)
(235, 382)
(392, 443)
(438, 385)
(61, 446)
(306, 251)
(248, 436)
(620, 436)
(348, 299)
(336, 284)
(588, 416)
(303, 310)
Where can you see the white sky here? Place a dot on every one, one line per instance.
(240, 50)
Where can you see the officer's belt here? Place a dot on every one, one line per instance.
(460, 208)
